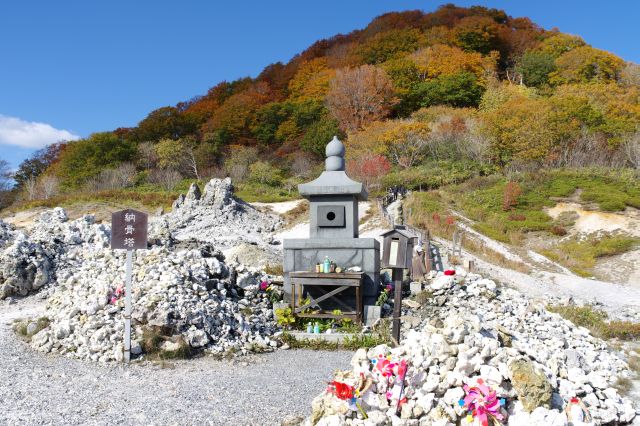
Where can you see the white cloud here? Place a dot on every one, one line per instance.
(30, 134)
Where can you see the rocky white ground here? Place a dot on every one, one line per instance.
(183, 287)
(199, 279)
(39, 389)
(535, 360)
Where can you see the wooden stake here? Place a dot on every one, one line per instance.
(397, 302)
(127, 308)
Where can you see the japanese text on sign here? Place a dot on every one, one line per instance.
(129, 230)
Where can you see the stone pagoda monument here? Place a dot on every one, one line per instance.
(333, 204)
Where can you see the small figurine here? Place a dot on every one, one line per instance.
(576, 411)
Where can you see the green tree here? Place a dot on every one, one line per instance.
(170, 153)
(535, 68)
(307, 112)
(459, 90)
(405, 75)
(319, 134)
(267, 120)
(85, 158)
(389, 44)
(165, 123)
(264, 173)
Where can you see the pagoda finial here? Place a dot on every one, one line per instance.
(335, 155)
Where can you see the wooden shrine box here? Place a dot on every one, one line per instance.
(397, 248)
(336, 289)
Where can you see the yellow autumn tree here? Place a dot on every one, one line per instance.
(311, 82)
(498, 93)
(366, 141)
(404, 142)
(584, 64)
(560, 43)
(440, 59)
(519, 129)
(606, 107)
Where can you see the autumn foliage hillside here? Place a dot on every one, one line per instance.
(421, 99)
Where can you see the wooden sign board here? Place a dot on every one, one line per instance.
(129, 230)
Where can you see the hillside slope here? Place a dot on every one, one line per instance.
(422, 99)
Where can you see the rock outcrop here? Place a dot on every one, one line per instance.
(29, 262)
(183, 286)
(185, 292)
(217, 217)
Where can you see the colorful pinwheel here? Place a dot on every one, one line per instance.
(482, 402)
(341, 390)
(348, 393)
(385, 367)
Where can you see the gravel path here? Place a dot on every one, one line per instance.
(256, 390)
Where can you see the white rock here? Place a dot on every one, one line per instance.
(453, 395)
(441, 282)
(491, 375)
(597, 380)
(197, 338)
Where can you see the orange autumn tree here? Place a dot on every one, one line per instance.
(510, 196)
(234, 116)
(404, 142)
(360, 95)
(440, 59)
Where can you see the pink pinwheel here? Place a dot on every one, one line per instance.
(385, 367)
(482, 402)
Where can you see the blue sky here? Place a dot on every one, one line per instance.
(71, 68)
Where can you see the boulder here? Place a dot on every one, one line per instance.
(531, 385)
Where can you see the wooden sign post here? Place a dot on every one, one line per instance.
(128, 232)
(396, 276)
(397, 254)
